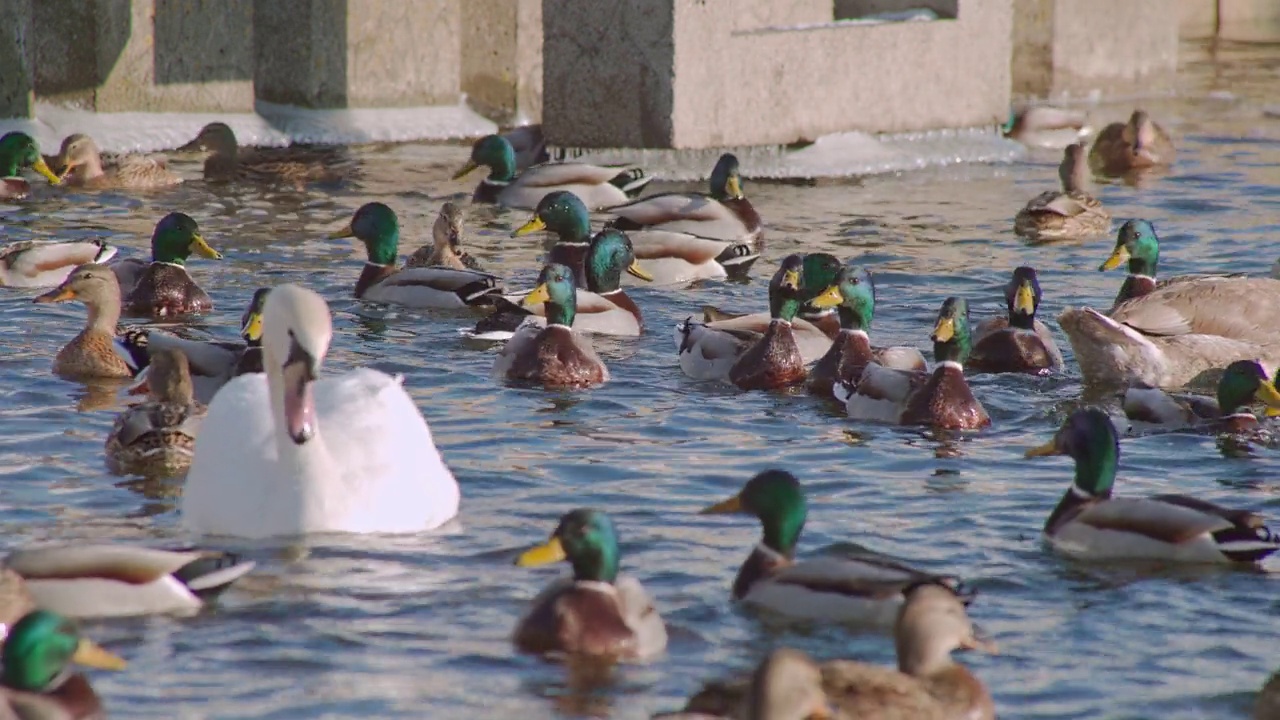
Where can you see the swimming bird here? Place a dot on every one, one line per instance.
(288, 452)
(296, 165)
(37, 680)
(1242, 383)
(554, 355)
(155, 438)
(82, 165)
(1138, 144)
(723, 214)
(99, 580)
(100, 350)
(19, 151)
(1071, 213)
(377, 227)
(1018, 342)
(445, 249)
(161, 286)
(867, 589)
(1090, 524)
(43, 263)
(1045, 126)
(596, 611)
(598, 186)
(786, 685)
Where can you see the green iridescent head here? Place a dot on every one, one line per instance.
(853, 294)
(177, 236)
(1137, 244)
(726, 183)
(786, 289)
(585, 538)
(777, 500)
(951, 335)
(820, 270)
(556, 292)
(19, 150)
(40, 647)
(609, 255)
(1242, 383)
(562, 213)
(1089, 438)
(377, 226)
(494, 152)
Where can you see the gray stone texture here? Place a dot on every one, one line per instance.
(501, 61)
(17, 81)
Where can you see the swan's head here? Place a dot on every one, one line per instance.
(296, 329)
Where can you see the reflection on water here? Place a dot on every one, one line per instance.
(419, 627)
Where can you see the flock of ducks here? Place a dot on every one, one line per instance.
(273, 446)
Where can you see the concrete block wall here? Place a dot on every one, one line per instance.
(501, 63)
(17, 82)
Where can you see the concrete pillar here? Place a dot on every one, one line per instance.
(678, 74)
(144, 55)
(502, 58)
(1076, 47)
(357, 53)
(17, 80)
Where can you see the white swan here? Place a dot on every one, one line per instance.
(263, 468)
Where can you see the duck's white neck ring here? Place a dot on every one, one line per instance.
(951, 364)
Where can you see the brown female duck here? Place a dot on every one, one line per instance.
(786, 685)
(1017, 343)
(95, 352)
(157, 438)
(1071, 213)
(445, 249)
(81, 165)
(296, 165)
(1135, 145)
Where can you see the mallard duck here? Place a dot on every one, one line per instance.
(725, 214)
(598, 186)
(156, 438)
(555, 355)
(563, 214)
(296, 165)
(941, 399)
(1090, 524)
(867, 589)
(1135, 145)
(98, 351)
(1017, 343)
(81, 166)
(1267, 705)
(1045, 126)
(445, 249)
(287, 452)
(928, 684)
(83, 581)
(1242, 383)
(1071, 213)
(37, 680)
(528, 144)
(18, 150)
(853, 294)
(750, 360)
(1170, 333)
(603, 308)
(377, 226)
(41, 263)
(596, 612)
(786, 685)
(162, 286)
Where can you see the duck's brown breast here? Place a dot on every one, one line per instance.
(773, 362)
(1011, 351)
(164, 290)
(945, 401)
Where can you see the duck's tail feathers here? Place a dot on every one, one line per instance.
(1245, 543)
(631, 181)
(105, 251)
(738, 258)
(212, 573)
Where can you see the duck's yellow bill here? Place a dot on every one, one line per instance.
(549, 552)
(1268, 395)
(42, 167)
(91, 654)
(634, 269)
(829, 298)
(1118, 257)
(821, 711)
(251, 330)
(345, 232)
(791, 280)
(536, 296)
(733, 187)
(1049, 448)
(462, 172)
(534, 225)
(724, 507)
(944, 330)
(1273, 412)
(1024, 301)
(58, 294)
(203, 249)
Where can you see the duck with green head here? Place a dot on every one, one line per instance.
(563, 215)
(19, 151)
(863, 589)
(162, 287)
(1170, 333)
(38, 680)
(555, 356)
(1018, 342)
(750, 359)
(1090, 524)
(598, 186)
(376, 226)
(596, 611)
(1069, 214)
(1243, 383)
(724, 214)
(1136, 145)
(940, 399)
(853, 296)
(603, 308)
